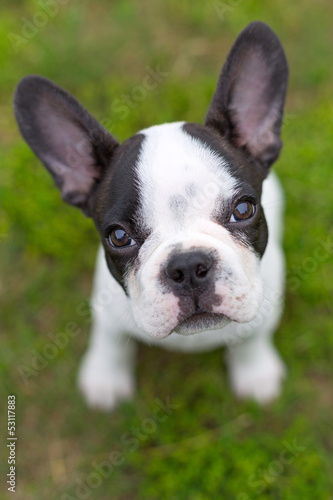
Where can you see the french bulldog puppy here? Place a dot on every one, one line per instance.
(190, 220)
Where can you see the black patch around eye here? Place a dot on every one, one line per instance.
(249, 175)
(117, 201)
(252, 233)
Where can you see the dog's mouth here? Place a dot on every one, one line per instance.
(200, 321)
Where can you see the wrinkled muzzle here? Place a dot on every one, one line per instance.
(189, 286)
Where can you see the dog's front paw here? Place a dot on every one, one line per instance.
(259, 377)
(102, 387)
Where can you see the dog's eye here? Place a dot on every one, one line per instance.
(119, 238)
(243, 211)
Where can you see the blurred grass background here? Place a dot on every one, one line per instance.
(211, 446)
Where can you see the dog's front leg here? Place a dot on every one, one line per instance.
(256, 369)
(106, 373)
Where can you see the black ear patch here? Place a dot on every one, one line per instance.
(247, 106)
(73, 146)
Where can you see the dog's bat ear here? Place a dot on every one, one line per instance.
(73, 146)
(247, 106)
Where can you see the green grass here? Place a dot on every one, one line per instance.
(210, 446)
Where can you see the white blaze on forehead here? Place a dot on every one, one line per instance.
(180, 177)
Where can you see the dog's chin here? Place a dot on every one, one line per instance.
(201, 322)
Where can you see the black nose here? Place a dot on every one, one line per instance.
(189, 269)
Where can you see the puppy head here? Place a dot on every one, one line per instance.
(177, 205)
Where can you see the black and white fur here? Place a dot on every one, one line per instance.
(193, 278)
